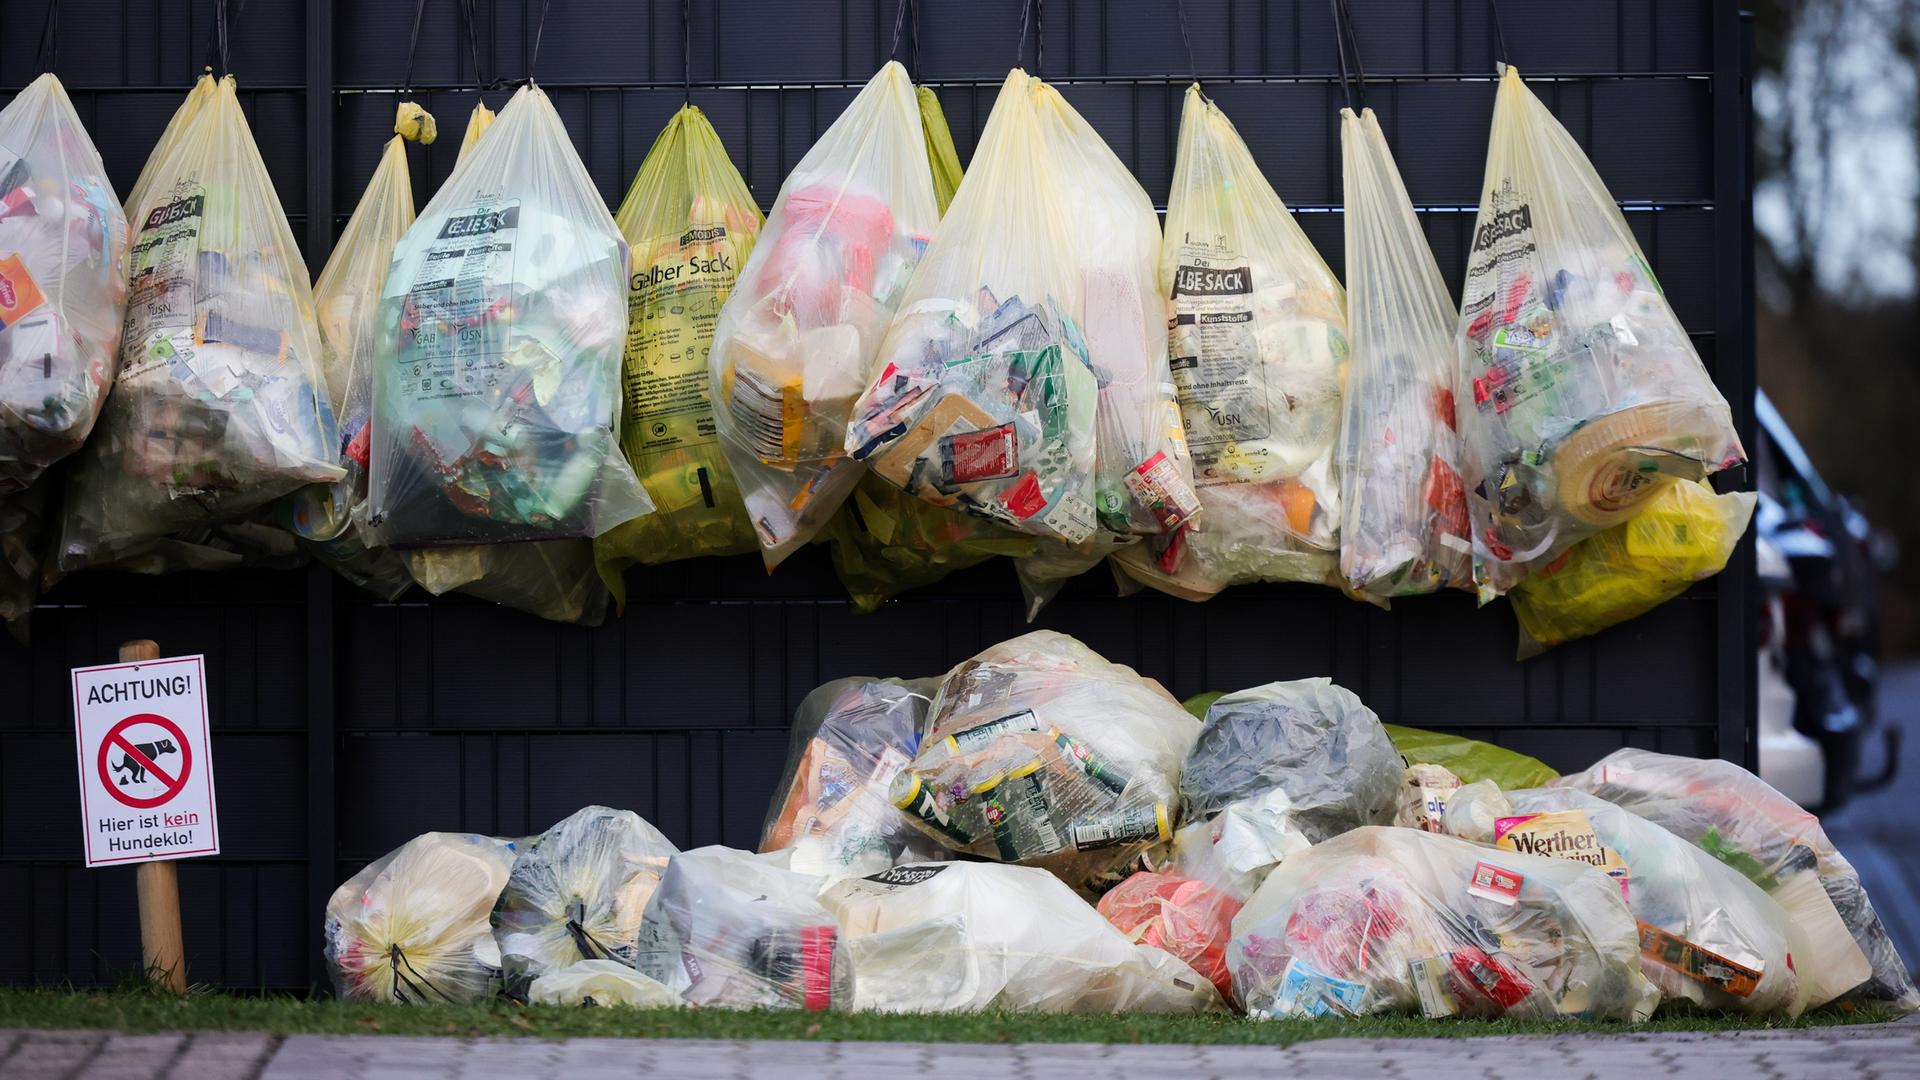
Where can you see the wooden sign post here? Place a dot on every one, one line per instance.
(159, 886)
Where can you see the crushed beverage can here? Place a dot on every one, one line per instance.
(909, 792)
(980, 736)
(1090, 762)
(1014, 804)
(1147, 822)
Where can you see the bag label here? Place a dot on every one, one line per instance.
(166, 268)
(456, 347)
(1561, 834)
(674, 294)
(1218, 376)
(905, 876)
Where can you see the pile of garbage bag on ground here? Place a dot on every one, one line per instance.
(1043, 830)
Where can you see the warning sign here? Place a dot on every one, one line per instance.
(146, 772)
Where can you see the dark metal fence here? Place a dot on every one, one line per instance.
(344, 726)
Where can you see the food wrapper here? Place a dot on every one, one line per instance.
(1683, 533)
(1044, 753)
(63, 282)
(1386, 920)
(1579, 394)
(1310, 738)
(412, 927)
(796, 338)
(1737, 818)
(1404, 512)
(1708, 936)
(219, 407)
(1260, 349)
(1190, 919)
(1424, 799)
(601, 982)
(578, 892)
(971, 937)
(497, 374)
(690, 224)
(850, 738)
(731, 929)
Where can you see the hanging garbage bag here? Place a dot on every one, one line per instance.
(412, 926)
(1469, 759)
(798, 334)
(731, 929)
(346, 299)
(1404, 513)
(971, 937)
(63, 282)
(601, 982)
(850, 738)
(943, 161)
(478, 121)
(1737, 818)
(1683, 533)
(219, 407)
(1310, 738)
(1260, 354)
(552, 579)
(690, 223)
(577, 892)
(1708, 936)
(1025, 380)
(497, 380)
(1188, 918)
(1579, 392)
(1043, 752)
(1386, 920)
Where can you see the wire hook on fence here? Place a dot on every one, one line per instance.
(1499, 34)
(413, 47)
(539, 29)
(1346, 41)
(1193, 66)
(218, 49)
(48, 55)
(686, 50)
(1038, 10)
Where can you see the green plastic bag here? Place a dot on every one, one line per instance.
(690, 222)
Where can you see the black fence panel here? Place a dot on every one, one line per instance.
(344, 726)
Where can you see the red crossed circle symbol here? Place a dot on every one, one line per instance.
(117, 739)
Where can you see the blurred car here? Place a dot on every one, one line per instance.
(1819, 564)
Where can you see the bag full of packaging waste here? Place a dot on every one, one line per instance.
(601, 982)
(1025, 380)
(219, 407)
(832, 810)
(1737, 818)
(1044, 753)
(796, 338)
(1404, 512)
(971, 937)
(1579, 394)
(497, 375)
(577, 892)
(1388, 920)
(556, 580)
(1708, 936)
(1310, 738)
(413, 925)
(1190, 919)
(690, 224)
(346, 298)
(732, 929)
(1260, 355)
(63, 282)
(1683, 533)
(1235, 849)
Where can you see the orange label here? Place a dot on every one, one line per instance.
(1670, 950)
(18, 293)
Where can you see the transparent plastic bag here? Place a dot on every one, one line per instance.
(1708, 936)
(1025, 377)
(1386, 920)
(1469, 759)
(1188, 918)
(497, 376)
(346, 298)
(1683, 533)
(1260, 354)
(63, 282)
(731, 929)
(601, 982)
(1579, 392)
(971, 937)
(799, 333)
(1310, 738)
(1737, 818)
(1404, 513)
(1043, 752)
(219, 407)
(556, 580)
(1235, 849)
(412, 927)
(850, 738)
(578, 892)
(690, 224)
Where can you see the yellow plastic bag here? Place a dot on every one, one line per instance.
(219, 408)
(690, 224)
(942, 158)
(1684, 533)
(347, 300)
